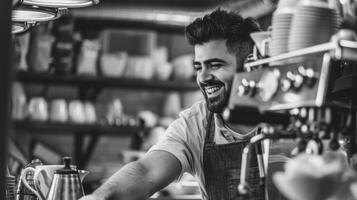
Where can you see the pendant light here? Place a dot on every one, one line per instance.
(27, 13)
(60, 3)
(33, 15)
(19, 27)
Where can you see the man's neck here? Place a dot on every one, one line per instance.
(238, 128)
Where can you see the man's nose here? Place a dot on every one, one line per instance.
(205, 75)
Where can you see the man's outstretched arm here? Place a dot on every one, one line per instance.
(139, 179)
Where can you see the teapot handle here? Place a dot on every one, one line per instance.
(26, 184)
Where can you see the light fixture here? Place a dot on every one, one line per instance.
(27, 13)
(33, 15)
(19, 28)
(60, 3)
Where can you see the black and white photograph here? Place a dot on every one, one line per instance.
(178, 100)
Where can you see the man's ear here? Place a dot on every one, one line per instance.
(241, 61)
(243, 51)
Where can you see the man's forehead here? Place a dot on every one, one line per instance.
(212, 44)
(212, 49)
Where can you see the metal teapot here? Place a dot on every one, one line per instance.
(38, 179)
(66, 183)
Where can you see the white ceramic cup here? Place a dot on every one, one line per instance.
(59, 111)
(89, 111)
(76, 112)
(38, 109)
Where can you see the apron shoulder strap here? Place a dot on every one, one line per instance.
(210, 128)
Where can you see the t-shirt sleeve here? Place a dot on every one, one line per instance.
(184, 138)
(175, 141)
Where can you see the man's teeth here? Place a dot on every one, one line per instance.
(211, 90)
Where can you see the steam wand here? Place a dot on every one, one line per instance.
(243, 187)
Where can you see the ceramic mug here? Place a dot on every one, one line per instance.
(38, 109)
(76, 112)
(89, 111)
(58, 110)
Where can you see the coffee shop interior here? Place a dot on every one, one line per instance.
(95, 83)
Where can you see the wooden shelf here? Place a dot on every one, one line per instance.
(51, 127)
(158, 18)
(93, 81)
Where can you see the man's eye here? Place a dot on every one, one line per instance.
(197, 68)
(216, 66)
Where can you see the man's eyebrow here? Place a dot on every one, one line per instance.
(214, 60)
(195, 63)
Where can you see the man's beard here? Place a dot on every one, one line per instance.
(218, 103)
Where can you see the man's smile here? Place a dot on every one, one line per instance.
(213, 90)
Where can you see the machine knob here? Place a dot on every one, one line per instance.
(242, 90)
(285, 84)
(308, 74)
(296, 81)
(246, 88)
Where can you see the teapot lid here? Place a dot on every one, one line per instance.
(67, 167)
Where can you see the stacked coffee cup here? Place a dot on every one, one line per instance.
(314, 22)
(301, 24)
(281, 22)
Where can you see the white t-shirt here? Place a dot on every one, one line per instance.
(185, 138)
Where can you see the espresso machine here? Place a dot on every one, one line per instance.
(308, 95)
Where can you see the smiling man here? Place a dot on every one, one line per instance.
(215, 67)
(199, 142)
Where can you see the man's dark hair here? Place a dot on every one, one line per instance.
(221, 24)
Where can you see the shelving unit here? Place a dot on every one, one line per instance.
(156, 18)
(79, 131)
(91, 129)
(89, 87)
(93, 81)
(94, 131)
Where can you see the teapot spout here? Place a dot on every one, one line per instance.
(83, 174)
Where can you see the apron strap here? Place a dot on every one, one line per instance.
(210, 129)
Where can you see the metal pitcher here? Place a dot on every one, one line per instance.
(43, 176)
(66, 183)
